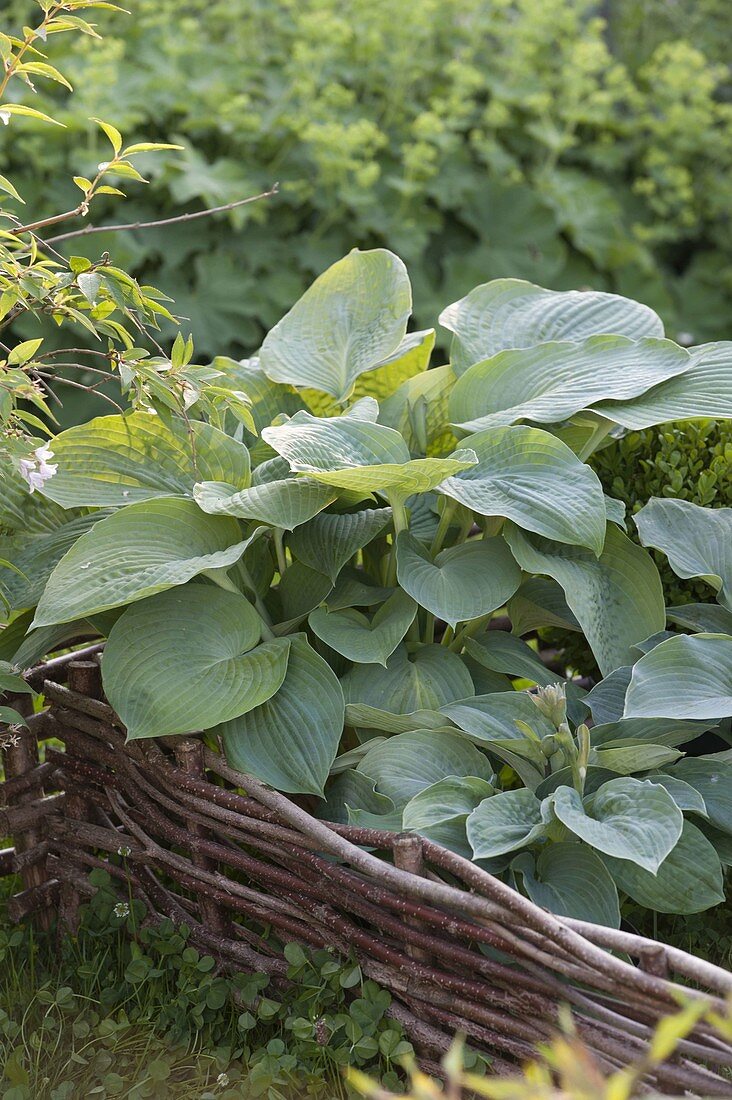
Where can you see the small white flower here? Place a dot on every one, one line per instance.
(38, 469)
(124, 851)
(121, 909)
(222, 1080)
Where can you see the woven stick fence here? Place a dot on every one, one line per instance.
(205, 845)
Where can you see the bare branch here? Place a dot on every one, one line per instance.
(163, 221)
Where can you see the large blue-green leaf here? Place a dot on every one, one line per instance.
(705, 390)
(35, 557)
(463, 582)
(487, 717)
(403, 765)
(553, 381)
(683, 677)
(570, 880)
(286, 503)
(532, 478)
(440, 811)
(689, 880)
(418, 410)
(352, 318)
(539, 602)
(713, 781)
(354, 453)
(505, 823)
(188, 659)
(501, 652)
(617, 598)
(364, 640)
(414, 679)
(697, 541)
(629, 818)
(291, 740)
(512, 313)
(328, 541)
(115, 460)
(136, 552)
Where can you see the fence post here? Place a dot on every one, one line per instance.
(85, 678)
(408, 857)
(20, 757)
(189, 758)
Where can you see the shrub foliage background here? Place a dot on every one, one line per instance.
(476, 139)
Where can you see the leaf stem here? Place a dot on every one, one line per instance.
(401, 523)
(443, 526)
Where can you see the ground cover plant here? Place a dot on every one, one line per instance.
(124, 1009)
(315, 586)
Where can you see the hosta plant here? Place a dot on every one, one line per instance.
(318, 589)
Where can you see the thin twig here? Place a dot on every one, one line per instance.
(191, 216)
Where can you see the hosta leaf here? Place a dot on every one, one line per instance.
(291, 740)
(418, 411)
(440, 811)
(705, 390)
(595, 777)
(354, 588)
(463, 582)
(365, 641)
(487, 717)
(606, 700)
(188, 659)
(328, 541)
(512, 313)
(553, 381)
(136, 552)
(501, 652)
(301, 589)
(285, 504)
(628, 818)
(359, 455)
(688, 881)
(451, 797)
(697, 541)
(683, 677)
(29, 513)
(537, 603)
(409, 360)
(423, 679)
(405, 764)
(627, 758)
(713, 780)
(531, 477)
(686, 797)
(36, 556)
(352, 318)
(366, 717)
(354, 791)
(572, 881)
(116, 460)
(617, 599)
(505, 823)
(661, 731)
(701, 618)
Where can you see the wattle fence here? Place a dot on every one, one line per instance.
(207, 846)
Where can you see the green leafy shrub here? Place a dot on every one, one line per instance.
(691, 461)
(478, 140)
(316, 590)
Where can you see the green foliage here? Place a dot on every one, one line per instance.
(687, 461)
(338, 643)
(476, 139)
(129, 1009)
